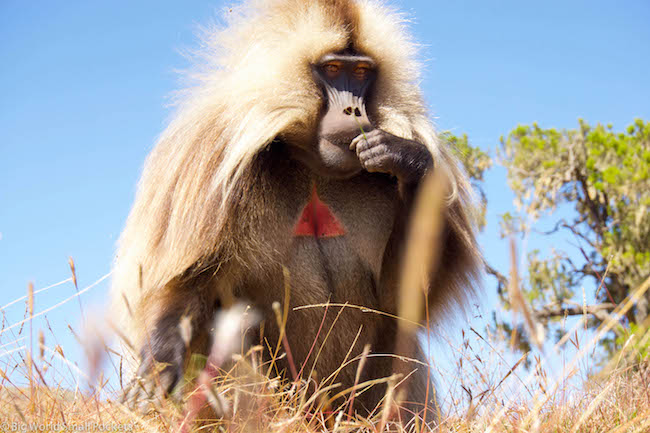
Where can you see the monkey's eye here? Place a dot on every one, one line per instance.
(332, 70)
(361, 71)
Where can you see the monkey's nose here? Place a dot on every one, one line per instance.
(340, 125)
(349, 111)
(360, 119)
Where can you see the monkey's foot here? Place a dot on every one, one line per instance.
(148, 390)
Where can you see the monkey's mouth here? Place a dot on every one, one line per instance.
(334, 159)
(329, 159)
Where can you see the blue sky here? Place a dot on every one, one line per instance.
(84, 88)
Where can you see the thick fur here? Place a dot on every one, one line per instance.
(202, 207)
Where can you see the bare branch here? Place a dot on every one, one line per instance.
(578, 234)
(563, 224)
(554, 230)
(552, 311)
(501, 279)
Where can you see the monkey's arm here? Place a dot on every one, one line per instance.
(162, 357)
(379, 151)
(163, 351)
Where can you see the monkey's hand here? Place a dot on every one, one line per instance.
(158, 374)
(381, 152)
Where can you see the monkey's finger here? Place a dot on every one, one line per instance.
(149, 393)
(139, 391)
(355, 142)
(365, 157)
(363, 145)
(371, 139)
(372, 152)
(361, 141)
(132, 396)
(377, 164)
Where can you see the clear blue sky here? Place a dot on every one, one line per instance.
(83, 89)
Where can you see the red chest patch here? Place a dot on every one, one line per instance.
(317, 220)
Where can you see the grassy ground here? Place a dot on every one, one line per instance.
(618, 401)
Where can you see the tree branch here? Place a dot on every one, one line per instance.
(563, 224)
(596, 215)
(588, 270)
(501, 279)
(552, 311)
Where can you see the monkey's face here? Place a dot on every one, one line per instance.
(346, 80)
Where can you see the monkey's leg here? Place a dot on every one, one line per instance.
(415, 383)
(421, 398)
(164, 350)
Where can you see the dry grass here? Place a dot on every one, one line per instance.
(253, 399)
(486, 389)
(617, 403)
(256, 399)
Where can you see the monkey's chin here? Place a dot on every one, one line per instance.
(328, 160)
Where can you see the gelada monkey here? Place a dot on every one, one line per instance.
(300, 147)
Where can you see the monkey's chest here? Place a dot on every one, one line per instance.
(317, 220)
(341, 231)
